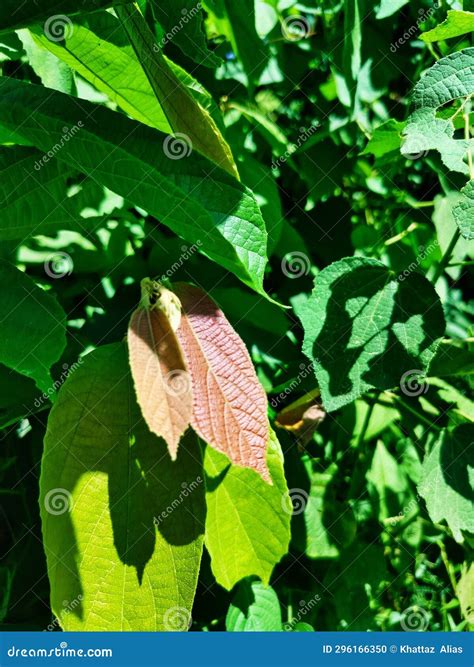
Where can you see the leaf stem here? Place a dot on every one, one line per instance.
(446, 258)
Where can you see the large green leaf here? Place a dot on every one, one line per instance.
(365, 328)
(248, 521)
(33, 194)
(182, 110)
(32, 327)
(457, 23)
(122, 524)
(198, 201)
(449, 79)
(447, 483)
(183, 24)
(14, 14)
(254, 608)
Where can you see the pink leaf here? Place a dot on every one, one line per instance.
(160, 374)
(230, 406)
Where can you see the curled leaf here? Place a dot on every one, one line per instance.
(303, 417)
(230, 406)
(162, 382)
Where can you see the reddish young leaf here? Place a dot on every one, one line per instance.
(162, 382)
(230, 406)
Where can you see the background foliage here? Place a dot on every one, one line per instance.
(358, 180)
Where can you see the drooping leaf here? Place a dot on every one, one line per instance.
(33, 194)
(457, 23)
(183, 25)
(230, 406)
(365, 329)
(183, 112)
(254, 608)
(193, 197)
(122, 524)
(465, 592)
(248, 521)
(56, 12)
(32, 327)
(447, 483)
(463, 212)
(161, 378)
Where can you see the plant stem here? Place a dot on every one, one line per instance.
(446, 258)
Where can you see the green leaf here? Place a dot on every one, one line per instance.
(463, 212)
(33, 193)
(248, 521)
(32, 327)
(389, 7)
(18, 397)
(449, 79)
(98, 52)
(388, 483)
(457, 23)
(236, 20)
(183, 25)
(385, 139)
(122, 524)
(330, 524)
(448, 480)
(254, 608)
(55, 12)
(365, 329)
(198, 201)
(184, 113)
(52, 72)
